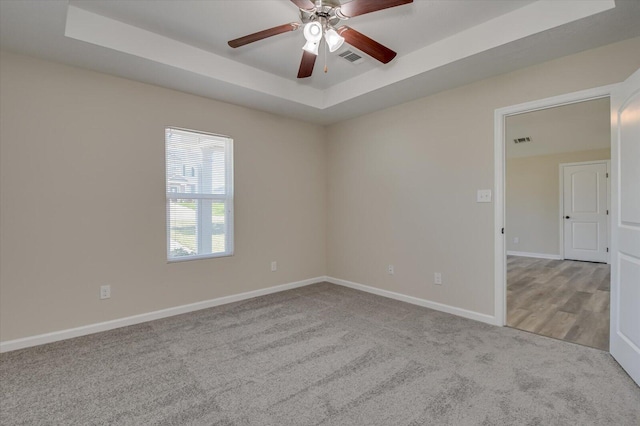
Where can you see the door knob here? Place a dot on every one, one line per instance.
(567, 217)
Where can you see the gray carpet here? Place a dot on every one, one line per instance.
(321, 354)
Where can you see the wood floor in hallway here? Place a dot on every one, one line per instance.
(563, 299)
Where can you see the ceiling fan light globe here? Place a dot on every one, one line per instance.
(313, 32)
(311, 47)
(333, 39)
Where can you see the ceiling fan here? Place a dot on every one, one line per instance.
(319, 19)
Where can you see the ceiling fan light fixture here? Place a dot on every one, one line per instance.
(318, 19)
(311, 47)
(333, 39)
(313, 32)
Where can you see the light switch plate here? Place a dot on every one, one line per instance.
(484, 196)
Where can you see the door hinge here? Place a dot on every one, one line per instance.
(607, 174)
(607, 249)
(607, 212)
(503, 230)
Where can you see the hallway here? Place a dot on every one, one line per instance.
(563, 299)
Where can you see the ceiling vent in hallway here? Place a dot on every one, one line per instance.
(522, 140)
(351, 56)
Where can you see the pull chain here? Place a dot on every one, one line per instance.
(325, 44)
(325, 58)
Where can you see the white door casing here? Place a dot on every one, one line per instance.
(625, 226)
(500, 115)
(584, 211)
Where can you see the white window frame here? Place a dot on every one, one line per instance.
(228, 198)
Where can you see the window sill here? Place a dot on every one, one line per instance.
(199, 257)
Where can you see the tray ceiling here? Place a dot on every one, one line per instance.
(182, 45)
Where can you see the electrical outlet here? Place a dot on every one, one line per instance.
(437, 278)
(274, 266)
(390, 270)
(483, 196)
(516, 240)
(105, 291)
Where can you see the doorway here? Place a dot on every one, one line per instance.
(556, 205)
(584, 211)
(624, 337)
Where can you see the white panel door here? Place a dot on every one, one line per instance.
(585, 212)
(625, 260)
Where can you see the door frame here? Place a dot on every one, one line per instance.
(561, 204)
(500, 115)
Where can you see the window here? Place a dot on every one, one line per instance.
(199, 173)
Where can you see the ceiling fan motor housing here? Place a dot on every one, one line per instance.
(325, 14)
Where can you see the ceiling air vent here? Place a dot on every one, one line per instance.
(351, 56)
(522, 140)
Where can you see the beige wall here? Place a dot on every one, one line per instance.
(82, 191)
(533, 199)
(82, 198)
(402, 181)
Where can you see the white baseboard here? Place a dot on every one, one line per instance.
(536, 255)
(41, 339)
(489, 319)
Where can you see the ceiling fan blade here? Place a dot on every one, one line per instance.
(306, 65)
(367, 45)
(264, 34)
(304, 4)
(360, 7)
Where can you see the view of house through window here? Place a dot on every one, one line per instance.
(199, 194)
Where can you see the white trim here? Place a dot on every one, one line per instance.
(499, 213)
(55, 336)
(477, 316)
(536, 255)
(41, 339)
(193, 196)
(586, 163)
(500, 114)
(609, 223)
(283, 93)
(561, 212)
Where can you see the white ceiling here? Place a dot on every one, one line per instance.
(209, 25)
(581, 126)
(181, 44)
